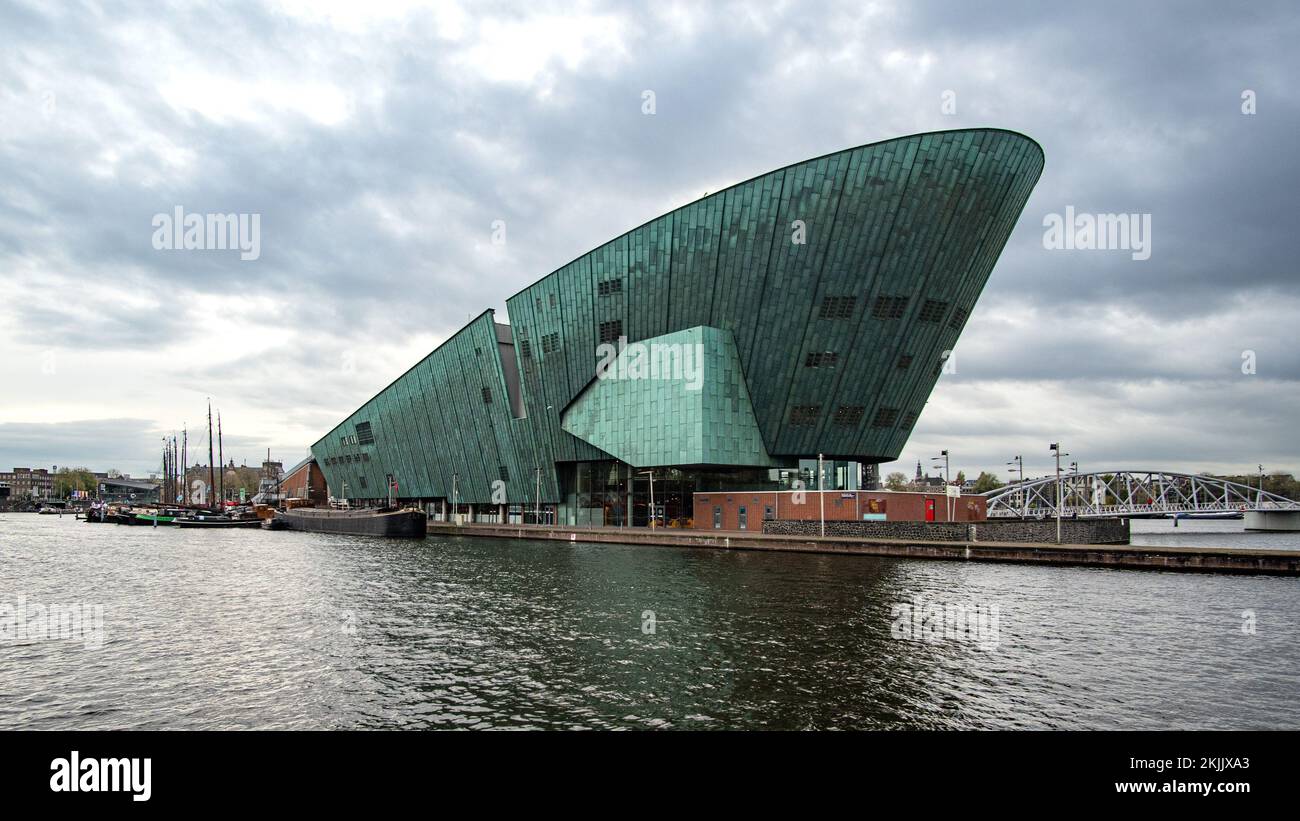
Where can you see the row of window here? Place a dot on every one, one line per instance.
(828, 359)
(833, 307)
(347, 458)
(820, 359)
(849, 416)
(891, 307)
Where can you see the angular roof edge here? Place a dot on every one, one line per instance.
(786, 167)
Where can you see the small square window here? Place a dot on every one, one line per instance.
(849, 415)
(885, 418)
(932, 310)
(803, 415)
(838, 307)
(611, 331)
(889, 307)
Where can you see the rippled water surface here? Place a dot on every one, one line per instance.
(239, 629)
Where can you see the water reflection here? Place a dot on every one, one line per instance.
(289, 630)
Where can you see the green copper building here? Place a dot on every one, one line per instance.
(805, 311)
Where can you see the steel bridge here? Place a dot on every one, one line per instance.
(1131, 493)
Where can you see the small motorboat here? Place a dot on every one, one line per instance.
(1208, 515)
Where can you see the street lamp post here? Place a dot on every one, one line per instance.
(947, 500)
(821, 492)
(1019, 462)
(455, 511)
(1056, 449)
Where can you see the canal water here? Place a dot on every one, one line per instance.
(240, 629)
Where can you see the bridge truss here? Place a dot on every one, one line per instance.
(1130, 493)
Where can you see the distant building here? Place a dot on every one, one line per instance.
(126, 490)
(28, 483)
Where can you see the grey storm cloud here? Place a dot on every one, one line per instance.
(379, 150)
(97, 443)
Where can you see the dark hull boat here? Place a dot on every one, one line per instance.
(215, 522)
(402, 524)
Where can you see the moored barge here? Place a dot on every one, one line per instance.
(403, 524)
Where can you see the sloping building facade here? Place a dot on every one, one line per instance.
(820, 298)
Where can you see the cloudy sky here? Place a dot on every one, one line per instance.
(378, 142)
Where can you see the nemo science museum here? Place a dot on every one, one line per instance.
(798, 318)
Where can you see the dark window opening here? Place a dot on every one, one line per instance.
(505, 475)
(550, 343)
(889, 307)
(849, 415)
(365, 435)
(909, 419)
(932, 310)
(609, 286)
(611, 331)
(362, 480)
(820, 359)
(958, 318)
(487, 396)
(525, 349)
(805, 414)
(838, 307)
(904, 362)
(885, 418)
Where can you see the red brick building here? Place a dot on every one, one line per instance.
(305, 481)
(747, 510)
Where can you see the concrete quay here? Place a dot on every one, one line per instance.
(1205, 560)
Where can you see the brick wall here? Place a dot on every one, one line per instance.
(308, 482)
(846, 506)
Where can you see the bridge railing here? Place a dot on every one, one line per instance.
(1136, 493)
